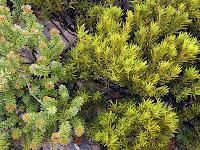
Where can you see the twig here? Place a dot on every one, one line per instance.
(70, 32)
(30, 90)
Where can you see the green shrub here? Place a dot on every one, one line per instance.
(35, 105)
(125, 126)
(148, 51)
(149, 72)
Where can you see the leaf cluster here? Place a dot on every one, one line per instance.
(127, 126)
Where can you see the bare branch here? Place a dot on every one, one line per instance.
(30, 90)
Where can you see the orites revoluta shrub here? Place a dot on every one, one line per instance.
(34, 105)
(149, 51)
(148, 65)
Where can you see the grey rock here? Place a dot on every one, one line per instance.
(84, 145)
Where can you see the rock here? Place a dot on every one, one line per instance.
(85, 144)
(88, 145)
(48, 25)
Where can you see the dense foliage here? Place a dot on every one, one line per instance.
(147, 64)
(147, 51)
(126, 126)
(34, 103)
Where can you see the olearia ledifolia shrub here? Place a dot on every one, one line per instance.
(127, 126)
(34, 106)
(148, 51)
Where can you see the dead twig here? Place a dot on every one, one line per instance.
(30, 90)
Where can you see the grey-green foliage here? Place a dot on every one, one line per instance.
(16, 12)
(32, 107)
